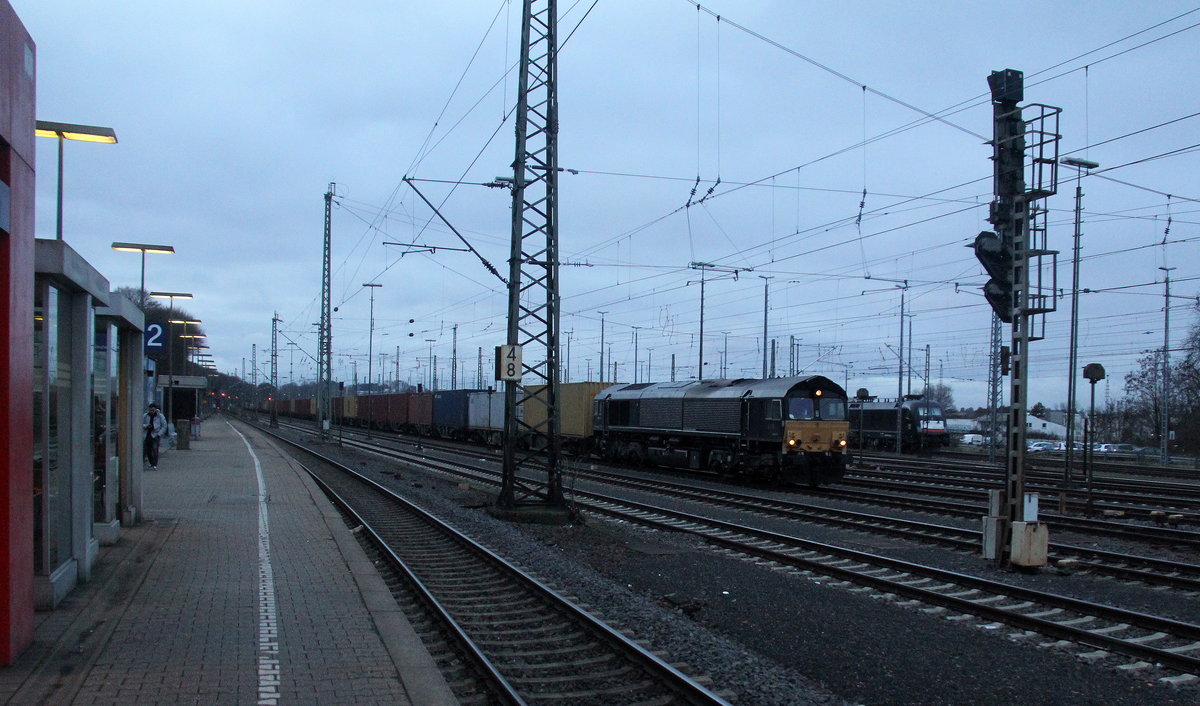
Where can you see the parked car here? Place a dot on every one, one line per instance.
(1040, 446)
(1117, 449)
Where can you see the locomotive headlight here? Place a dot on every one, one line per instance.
(791, 442)
(842, 442)
(818, 393)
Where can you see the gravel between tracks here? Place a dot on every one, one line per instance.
(770, 637)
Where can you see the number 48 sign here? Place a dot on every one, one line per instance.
(508, 363)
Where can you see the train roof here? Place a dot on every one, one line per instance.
(909, 402)
(738, 388)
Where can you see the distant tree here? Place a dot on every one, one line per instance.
(943, 395)
(1185, 384)
(1038, 410)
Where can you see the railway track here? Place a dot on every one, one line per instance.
(1098, 631)
(1123, 565)
(527, 643)
(1106, 502)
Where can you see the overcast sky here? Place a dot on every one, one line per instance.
(234, 117)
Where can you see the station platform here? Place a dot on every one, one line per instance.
(242, 585)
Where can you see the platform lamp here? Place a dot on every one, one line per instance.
(68, 131)
(143, 248)
(194, 358)
(1081, 166)
(170, 297)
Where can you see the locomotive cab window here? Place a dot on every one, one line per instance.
(800, 408)
(833, 409)
(773, 411)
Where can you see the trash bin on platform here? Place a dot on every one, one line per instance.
(182, 433)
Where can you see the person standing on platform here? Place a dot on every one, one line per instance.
(155, 426)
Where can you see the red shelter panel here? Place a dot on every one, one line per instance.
(17, 80)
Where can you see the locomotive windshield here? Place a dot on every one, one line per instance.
(929, 410)
(833, 409)
(800, 408)
(803, 408)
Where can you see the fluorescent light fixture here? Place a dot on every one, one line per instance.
(1080, 163)
(185, 321)
(144, 247)
(82, 133)
(171, 295)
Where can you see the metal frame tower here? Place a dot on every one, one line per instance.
(275, 369)
(324, 330)
(1014, 256)
(533, 305)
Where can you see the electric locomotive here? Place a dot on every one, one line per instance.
(791, 429)
(874, 424)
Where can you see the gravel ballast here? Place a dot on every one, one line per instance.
(772, 636)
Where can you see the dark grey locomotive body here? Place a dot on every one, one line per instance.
(790, 429)
(874, 425)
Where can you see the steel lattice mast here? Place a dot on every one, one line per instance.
(324, 332)
(533, 307)
(275, 369)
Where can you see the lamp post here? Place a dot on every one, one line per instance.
(1080, 165)
(370, 349)
(64, 132)
(143, 248)
(171, 297)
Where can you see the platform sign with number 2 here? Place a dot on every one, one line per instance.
(508, 363)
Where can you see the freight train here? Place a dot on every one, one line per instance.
(792, 430)
(874, 424)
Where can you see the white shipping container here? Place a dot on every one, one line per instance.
(485, 410)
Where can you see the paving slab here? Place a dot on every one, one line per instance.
(241, 585)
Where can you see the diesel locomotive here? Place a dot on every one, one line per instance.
(792, 430)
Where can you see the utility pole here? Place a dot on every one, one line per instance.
(370, 352)
(766, 297)
(926, 395)
(454, 359)
(1165, 432)
(325, 330)
(900, 376)
(533, 322)
(567, 367)
(635, 354)
(909, 357)
(704, 267)
(602, 313)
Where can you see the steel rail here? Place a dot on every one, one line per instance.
(684, 687)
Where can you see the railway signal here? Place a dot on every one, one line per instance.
(997, 259)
